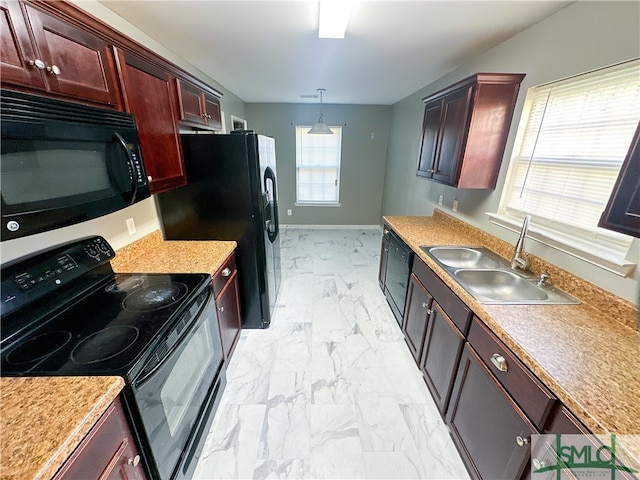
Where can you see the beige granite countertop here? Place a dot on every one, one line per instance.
(152, 254)
(43, 420)
(588, 354)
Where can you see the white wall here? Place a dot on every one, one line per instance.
(582, 37)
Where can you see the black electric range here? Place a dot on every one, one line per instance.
(65, 312)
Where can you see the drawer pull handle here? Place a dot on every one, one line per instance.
(499, 362)
(522, 441)
(134, 461)
(538, 464)
(226, 272)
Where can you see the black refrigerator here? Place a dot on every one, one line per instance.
(231, 194)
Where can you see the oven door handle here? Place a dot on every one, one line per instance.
(134, 176)
(142, 380)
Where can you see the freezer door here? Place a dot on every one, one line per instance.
(266, 149)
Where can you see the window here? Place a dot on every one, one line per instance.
(576, 136)
(318, 167)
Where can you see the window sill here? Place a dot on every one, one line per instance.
(595, 255)
(319, 204)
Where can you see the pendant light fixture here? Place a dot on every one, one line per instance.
(320, 128)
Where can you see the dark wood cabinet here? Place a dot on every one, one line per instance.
(48, 54)
(490, 431)
(226, 294)
(441, 352)
(108, 452)
(416, 316)
(149, 94)
(465, 128)
(197, 107)
(623, 209)
(433, 337)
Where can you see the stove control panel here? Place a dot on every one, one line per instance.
(37, 275)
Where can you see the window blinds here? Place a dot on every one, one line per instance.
(318, 166)
(576, 138)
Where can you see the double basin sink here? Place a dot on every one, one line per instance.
(489, 279)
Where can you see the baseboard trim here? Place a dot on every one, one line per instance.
(331, 227)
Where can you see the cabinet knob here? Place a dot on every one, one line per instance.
(500, 362)
(538, 464)
(54, 69)
(149, 178)
(221, 309)
(385, 232)
(39, 64)
(425, 305)
(134, 461)
(226, 272)
(522, 441)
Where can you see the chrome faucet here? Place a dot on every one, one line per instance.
(519, 258)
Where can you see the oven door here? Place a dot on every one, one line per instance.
(176, 394)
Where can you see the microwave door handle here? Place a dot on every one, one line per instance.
(132, 166)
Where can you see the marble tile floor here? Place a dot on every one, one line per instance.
(330, 390)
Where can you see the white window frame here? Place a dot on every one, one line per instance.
(595, 245)
(302, 135)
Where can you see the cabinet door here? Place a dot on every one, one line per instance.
(149, 94)
(78, 64)
(190, 103)
(440, 355)
(17, 49)
(489, 430)
(229, 319)
(107, 453)
(623, 210)
(455, 112)
(212, 111)
(416, 316)
(430, 131)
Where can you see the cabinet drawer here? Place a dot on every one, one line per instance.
(222, 276)
(530, 395)
(459, 313)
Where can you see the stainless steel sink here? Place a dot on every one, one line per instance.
(499, 285)
(489, 279)
(463, 257)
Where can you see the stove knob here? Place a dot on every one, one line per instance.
(134, 461)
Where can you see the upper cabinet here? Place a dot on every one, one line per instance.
(45, 53)
(465, 129)
(623, 210)
(197, 107)
(149, 94)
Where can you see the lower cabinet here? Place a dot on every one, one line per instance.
(490, 431)
(226, 293)
(108, 452)
(416, 316)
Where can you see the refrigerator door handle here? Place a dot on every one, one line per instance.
(272, 223)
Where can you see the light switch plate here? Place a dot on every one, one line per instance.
(131, 226)
(455, 206)
(440, 200)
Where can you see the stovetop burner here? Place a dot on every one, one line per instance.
(104, 344)
(125, 283)
(154, 297)
(38, 347)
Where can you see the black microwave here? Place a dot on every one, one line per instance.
(63, 163)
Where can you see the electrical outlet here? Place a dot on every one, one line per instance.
(455, 206)
(440, 200)
(372, 135)
(289, 212)
(131, 226)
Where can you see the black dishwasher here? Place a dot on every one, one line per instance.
(399, 262)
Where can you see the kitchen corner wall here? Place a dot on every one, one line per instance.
(582, 37)
(362, 164)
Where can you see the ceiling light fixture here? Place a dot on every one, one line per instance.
(334, 18)
(320, 128)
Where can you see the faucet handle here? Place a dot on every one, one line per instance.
(542, 279)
